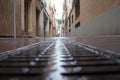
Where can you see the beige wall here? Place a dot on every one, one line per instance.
(32, 17)
(75, 20)
(89, 9)
(97, 17)
(7, 17)
(41, 19)
(52, 20)
(105, 24)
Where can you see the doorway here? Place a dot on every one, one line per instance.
(26, 15)
(37, 21)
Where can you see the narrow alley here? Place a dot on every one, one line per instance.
(59, 40)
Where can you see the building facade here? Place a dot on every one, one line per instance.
(52, 22)
(32, 18)
(45, 18)
(91, 17)
(7, 18)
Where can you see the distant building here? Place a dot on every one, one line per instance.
(45, 17)
(59, 27)
(52, 22)
(91, 17)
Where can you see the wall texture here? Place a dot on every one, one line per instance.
(89, 9)
(7, 17)
(105, 24)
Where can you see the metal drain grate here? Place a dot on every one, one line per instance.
(86, 65)
(59, 61)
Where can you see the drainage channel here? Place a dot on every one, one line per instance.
(87, 65)
(59, 60)
(28, 64)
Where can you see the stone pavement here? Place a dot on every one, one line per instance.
(111, 43)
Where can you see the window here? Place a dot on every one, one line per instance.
(69, 22)
(37, 21)
(72, 18)
(26, 15)
(77, 24)
(63, 21)
(69, 30)
(77, 8)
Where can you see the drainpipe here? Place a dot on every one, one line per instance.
(14, 19)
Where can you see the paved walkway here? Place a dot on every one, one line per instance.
(10, 43)
(111, 43)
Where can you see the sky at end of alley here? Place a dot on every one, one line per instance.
(59, 8)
